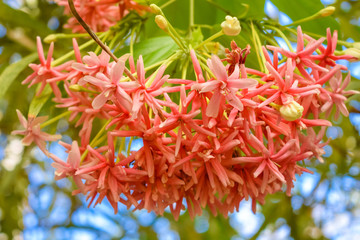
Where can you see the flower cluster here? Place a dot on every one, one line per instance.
(230, 134)
(109, 11)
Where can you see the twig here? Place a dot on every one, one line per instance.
(96, 39)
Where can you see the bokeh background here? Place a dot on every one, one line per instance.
(324, 205)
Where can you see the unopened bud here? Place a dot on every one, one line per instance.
(231, 26)
(50, 38)
(327, 11)
(161, 22)
(155, 9)
(76, 88)
(291, 111)
(79, 88)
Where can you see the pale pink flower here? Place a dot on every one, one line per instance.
(223, 86)
(111, 88)
(33, 133)
(313, 142)
(337, 95)
(93, 64)
(69, 168)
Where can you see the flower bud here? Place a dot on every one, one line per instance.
(79, 88)
(231, 26)
(75, 88)
(327, 11)
(155, 9)
(291, 111)
(161, 22)
(50, 38)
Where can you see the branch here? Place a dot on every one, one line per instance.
(95, 37)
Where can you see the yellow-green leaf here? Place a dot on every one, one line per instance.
(12, 72)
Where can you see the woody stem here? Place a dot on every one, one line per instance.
(95, 37)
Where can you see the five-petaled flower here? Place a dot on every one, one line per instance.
(33, 133)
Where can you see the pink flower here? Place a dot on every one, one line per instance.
(301, 59)
(272, 156)
(69, 168)
(223, 86)
(146, 94)
(33, 132)
(337, 95)
(100, 15)
(44, 73)
(94, 64)
(312, 142)
(327, 56)
(111, 88)
(180, 118)
(209, 141)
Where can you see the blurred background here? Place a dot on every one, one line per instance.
(324, 205)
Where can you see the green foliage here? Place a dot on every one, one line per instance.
(303, 8)
(154, 50)
(39, 101)
(18, 18)
(12, 72)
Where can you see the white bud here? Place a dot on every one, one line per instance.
(291, 111)
(231, 26)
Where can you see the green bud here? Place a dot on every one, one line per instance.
(327, 11)
(50, 38)
(161, 22)
(155, 9)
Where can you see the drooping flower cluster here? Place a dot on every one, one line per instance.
(232, 133)
(100, 15)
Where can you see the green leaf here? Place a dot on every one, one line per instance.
(19, 18)
(154, 50)
(11, 72)
(243, 8)
(300, 9)
(212, 12)
(256, 8)
(38, 102)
